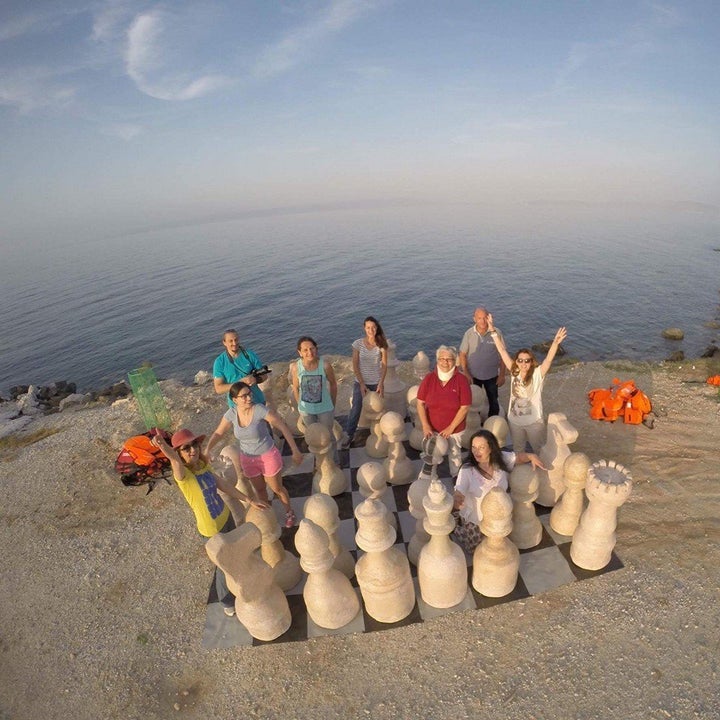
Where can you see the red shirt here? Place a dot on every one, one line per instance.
(442, 403)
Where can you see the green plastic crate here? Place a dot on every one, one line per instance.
(150, 400)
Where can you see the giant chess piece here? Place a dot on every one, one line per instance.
(260, 604)
(393, 387)
(329, 597)
(498, 426)
(291, 414)
(284, 564)
(376, 445)
(228, 465)
(399, 467)
(560, 433)
(372, 480)
(565, 516)
(434, 449)
(608, 486)
(323, 511)
(473, 421)
(421, 365)
(328, 477)
(416, 434)
(527, 529)
(383, 572)
(496, 561)
(442, 570)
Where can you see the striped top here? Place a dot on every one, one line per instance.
(370, 362)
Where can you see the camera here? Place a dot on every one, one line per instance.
(261, 374)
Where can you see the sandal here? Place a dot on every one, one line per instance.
(290, 519)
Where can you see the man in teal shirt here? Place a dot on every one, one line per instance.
(236, 363)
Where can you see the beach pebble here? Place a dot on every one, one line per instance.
(203, 377)
(673, 333)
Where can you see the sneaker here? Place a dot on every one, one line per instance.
(289, 519)
(229, 610)
(346, 441)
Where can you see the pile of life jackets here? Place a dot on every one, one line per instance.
(714, 380)
(621, 400)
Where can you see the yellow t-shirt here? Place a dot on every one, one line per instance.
(200, 491)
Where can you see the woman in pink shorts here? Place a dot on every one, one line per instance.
(260, 459)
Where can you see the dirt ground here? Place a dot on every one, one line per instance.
(102, 602)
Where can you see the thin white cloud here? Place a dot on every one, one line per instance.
(302, 41)
(29, 89)
(146, 63)
(111, 20)
(36, 22)
(124, 131)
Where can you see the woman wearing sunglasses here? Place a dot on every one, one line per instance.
(260, 459)
(199, 485)
(525, 411)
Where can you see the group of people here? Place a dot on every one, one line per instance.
(443, 401)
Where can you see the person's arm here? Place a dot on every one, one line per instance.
(383, 371)
(223, 426)
(332, 382)
(229, 489)
(423, 418)
(460, 415)
(294, 383)
(560, 335)
(460, 490)
(277, 422)
(532, 458)
(177, 465)
(502, 350)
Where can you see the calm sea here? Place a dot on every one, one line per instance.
(90, 312)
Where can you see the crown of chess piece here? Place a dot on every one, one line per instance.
(560, 433)
(565, 516)
(399, 467)
(323, 511)
(499, 427)
(328, 477)
(442, 570)
(527, 529)
(376, 446)
(260, 604)
(496, 560)
(383, 572)
(285, 565)
(421, 365)
(329, 597)
(608, 486)
(372, 480)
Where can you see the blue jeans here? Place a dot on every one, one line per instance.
(355, 409)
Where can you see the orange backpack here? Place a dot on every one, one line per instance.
(141, 463)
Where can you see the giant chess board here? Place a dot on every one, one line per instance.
(542, 568)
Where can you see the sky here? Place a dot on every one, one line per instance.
(122, 115)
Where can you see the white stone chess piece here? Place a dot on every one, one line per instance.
(499, 427)
(260, 604)
(376, 446)
(565, 516)
(435, 448)
(473, 421)
(608, 486)
(496, 561)
(393, 387)
(560, 434)
(328, 477)
(329, 597)
(323, 511)
(442, 570)
(291, 415)
(284, 564)
(527, 529)
(372, 480)
(228, 465)
(416, 434)
(421, 365)
(399, 467)
(383, 572)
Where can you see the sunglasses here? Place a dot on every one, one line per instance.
(188, 448)
(524, 360)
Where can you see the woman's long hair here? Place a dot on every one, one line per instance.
(496, 456)
(515, 368)
(380, 338)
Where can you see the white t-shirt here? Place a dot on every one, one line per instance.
(475, 487)
(526, 406)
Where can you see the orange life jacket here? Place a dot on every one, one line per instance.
(714, 380)
(622, 399)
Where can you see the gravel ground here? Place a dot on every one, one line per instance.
(103, 590)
